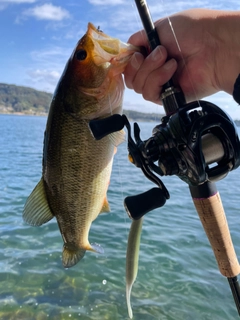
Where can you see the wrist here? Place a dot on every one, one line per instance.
(227, 33)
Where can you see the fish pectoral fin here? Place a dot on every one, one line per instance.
(71, 255)
(117, 137)
(106, 206)
(36, 210)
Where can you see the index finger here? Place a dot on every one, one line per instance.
(139, 39)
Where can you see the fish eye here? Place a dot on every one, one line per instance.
(81, 54)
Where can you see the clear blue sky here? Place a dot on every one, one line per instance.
(38, 36)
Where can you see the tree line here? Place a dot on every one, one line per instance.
(20, 99)
(23, 99)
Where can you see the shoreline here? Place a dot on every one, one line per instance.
(37, 114)
(44, 114)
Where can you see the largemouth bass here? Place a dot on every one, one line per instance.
(76, 167)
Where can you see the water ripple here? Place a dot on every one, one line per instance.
(178, 277)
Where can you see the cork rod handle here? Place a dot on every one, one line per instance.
(212, 215)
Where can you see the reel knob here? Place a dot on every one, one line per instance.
(102, 127)
(137, 206)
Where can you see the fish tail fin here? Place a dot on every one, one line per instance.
(71, 256)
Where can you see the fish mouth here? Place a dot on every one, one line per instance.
(108, 50)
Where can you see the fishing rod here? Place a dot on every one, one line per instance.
(196, 141)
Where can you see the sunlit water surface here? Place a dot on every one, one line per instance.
(178, 278)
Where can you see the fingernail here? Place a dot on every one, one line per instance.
(157, 53)
(134, 62)
(170, 64)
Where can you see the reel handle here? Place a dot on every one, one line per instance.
(138, 205)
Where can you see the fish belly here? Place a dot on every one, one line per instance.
(77, 175)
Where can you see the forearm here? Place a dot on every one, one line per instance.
(227, 33)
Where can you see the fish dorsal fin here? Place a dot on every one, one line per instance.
(105, 207)
(36, 210)
(117, 137)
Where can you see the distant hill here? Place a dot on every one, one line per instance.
(24, 100)
(140, 116)
(18, 99)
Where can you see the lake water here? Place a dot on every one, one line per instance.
(178, 278)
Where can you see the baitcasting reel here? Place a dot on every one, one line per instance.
(197, 143)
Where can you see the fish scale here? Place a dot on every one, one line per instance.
(76, 167)
(83, 181)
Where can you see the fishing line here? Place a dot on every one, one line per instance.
(139, 27)
(116, 158)
(178, 46)
(183, 60)
(180, 51)
(110, 105)
(139, 24)
(122, 197)
(126, 222)
(117, 161)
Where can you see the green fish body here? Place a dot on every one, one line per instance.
(76, 167)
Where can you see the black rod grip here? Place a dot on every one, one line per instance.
(204, 190)
(234, 285)
(151, 32)
(147, 22)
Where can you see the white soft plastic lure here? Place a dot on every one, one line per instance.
(132, 259)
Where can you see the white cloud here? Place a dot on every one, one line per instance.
(5, 3)
(51, 76)
(46, 66)
(106, 2)
(17, 1)
(53, 54)
(48, 11)
(44, 79)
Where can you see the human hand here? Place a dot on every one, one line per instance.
(208, 60)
